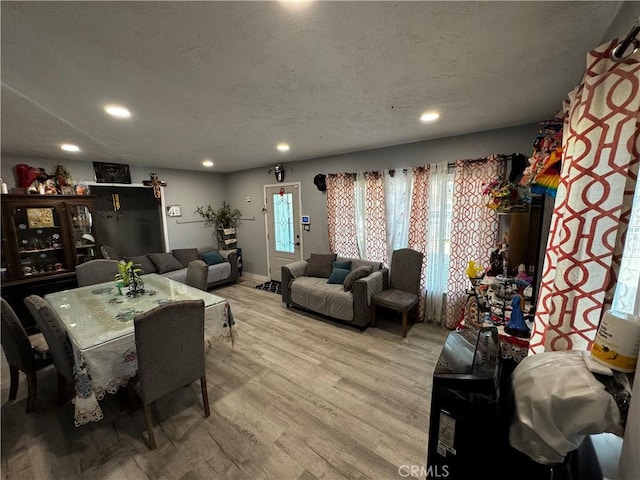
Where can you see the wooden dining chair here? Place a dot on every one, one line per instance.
(51, 326)
(170, 350)
(24, 353)
(96, 271)
(197, 274)
(404, 285)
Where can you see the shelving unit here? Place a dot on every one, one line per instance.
(44, 237)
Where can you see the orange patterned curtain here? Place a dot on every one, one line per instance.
(341, 214)
(474, 227)
(593, 204)
(375, 231)
(419, 219)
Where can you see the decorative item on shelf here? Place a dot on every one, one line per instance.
(62, 179)
(516, 325)
(129, 276)
(505, 197)
(474, 272)
(542, 174)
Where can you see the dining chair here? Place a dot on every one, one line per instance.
(197, 274)
(24, 353)
(96, 271)
(51, 326)
(170, 352)
(109, 253)
(404, 285)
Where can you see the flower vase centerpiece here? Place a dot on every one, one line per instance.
(129, 276)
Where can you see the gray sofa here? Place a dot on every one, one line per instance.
(308, 288)
(174, 265)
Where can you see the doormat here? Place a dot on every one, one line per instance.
(271, 286)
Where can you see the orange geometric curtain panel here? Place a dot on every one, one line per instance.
(374, 218)
(418, 223)
(341, 214)
(593, 204)
(474, 227)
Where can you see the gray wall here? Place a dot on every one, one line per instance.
(189, 189)
(250, 183)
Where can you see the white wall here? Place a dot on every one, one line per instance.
(189, 189)
(250, 183)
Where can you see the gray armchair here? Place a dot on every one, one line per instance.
(96, 271)
(170, 351)
(404, 285)
(24, 353)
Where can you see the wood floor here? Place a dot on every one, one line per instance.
(297, 397)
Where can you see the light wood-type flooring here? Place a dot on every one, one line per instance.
(297, 397)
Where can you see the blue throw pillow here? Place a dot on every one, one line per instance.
(212, 258)
(346, 265)
(338, 275)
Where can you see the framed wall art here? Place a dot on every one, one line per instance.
(111, 172)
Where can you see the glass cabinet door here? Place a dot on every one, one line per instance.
(40, 240)
(84, 240)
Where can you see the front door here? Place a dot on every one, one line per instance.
(283, 226)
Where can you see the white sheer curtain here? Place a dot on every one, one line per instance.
(627, 295)
(359, 190)
(398, 204)
(438, 231)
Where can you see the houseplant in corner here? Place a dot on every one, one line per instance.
(224, 219)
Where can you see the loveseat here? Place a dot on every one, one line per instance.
(337, 287)
(223, 264)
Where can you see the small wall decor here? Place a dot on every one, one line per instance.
(156, 183)
(174, 211)
(278, 171)
(111, 172)
(320, 181)
(40, 217)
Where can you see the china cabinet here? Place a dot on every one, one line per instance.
(44, 237)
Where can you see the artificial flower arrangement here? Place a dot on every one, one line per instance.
(505, 197)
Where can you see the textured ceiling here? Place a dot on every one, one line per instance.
(229, 80)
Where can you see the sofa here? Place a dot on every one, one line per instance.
(337, 287)
(223, 264)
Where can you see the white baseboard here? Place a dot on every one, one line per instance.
(253, 276)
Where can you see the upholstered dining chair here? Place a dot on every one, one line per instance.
(109, 253)
(170, 352)
(50, 324)
(96, 271)
(25, 353)
(197, 274)
(404, 285)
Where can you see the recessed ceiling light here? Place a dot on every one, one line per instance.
(70, 147)
(429, 117)
(207, 163)
(283, 147)
(117, 111)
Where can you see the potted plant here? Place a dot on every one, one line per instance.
(222, 218)
(129, 276)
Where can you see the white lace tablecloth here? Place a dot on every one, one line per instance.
(100, 326)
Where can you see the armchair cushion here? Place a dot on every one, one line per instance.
(320, 265)
(357, 274)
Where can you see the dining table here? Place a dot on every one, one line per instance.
(99, 321)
